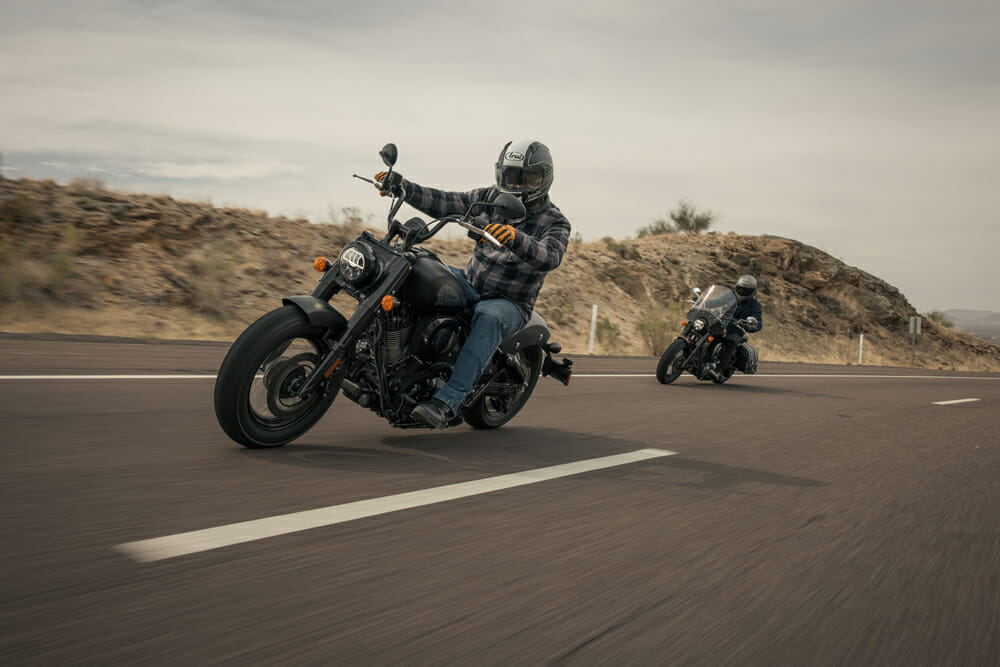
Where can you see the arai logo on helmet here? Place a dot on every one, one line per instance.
(354, 259)
(514, 156)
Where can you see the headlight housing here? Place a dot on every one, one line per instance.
(698, 324)
(357, 263)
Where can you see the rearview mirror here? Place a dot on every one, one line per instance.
(388, 154)
(509, 206)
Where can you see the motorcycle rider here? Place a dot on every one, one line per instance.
(503, 281)
(748, 317)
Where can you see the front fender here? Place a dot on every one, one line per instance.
(318, 311)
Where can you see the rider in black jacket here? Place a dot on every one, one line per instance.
(748, 317)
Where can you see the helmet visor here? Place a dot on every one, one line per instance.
(518, 179)
(743, 291)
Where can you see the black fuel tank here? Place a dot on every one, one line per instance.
(431, 286)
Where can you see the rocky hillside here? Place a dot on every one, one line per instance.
(79, 259)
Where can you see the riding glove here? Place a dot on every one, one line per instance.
(503, 233)
(380, 177)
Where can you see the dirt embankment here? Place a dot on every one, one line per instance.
(80, 259)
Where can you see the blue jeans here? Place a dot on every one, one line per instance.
(492, 319)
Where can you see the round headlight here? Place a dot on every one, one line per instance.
(699, 324)
(357, 263)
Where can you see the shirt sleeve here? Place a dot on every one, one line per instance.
(758, 312)
(544, 252)
(439, 203)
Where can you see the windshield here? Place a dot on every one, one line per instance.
(718, 300)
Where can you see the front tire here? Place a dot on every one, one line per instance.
(670, 366)
(255, 393)
(490, 411)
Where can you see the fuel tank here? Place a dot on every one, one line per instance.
(431, 286)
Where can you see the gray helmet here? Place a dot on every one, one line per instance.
(524, 168)
(746, 287)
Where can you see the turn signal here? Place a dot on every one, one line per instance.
(711, 338)
(388, 302)
(321, 264)
(684, 323)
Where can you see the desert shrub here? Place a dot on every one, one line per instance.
(623, 250)
(349, 217)
(656, 327)
(938, 317)
(657, 228)
(687, 218)
(87, 185)
(18, 209)
(576, 240)
(607, 333)
(10, 283)
(208, 271)
(64, 259)
(560, 314)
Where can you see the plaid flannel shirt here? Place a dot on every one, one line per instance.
(515, 272)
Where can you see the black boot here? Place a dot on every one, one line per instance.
(434, 413)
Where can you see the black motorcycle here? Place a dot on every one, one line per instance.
(399, 346)
(696, 350)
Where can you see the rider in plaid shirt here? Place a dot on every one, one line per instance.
(504, 282)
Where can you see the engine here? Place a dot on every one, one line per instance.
(396, 337)
(437, 339)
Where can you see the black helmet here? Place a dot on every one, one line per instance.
(524, 168)
(746, 287)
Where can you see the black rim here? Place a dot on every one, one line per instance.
(272, 399)
(497, 407)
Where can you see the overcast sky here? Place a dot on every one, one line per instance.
(867, 129)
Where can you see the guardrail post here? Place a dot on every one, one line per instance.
(593, 328)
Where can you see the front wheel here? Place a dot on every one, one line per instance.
(671, 366)
(256, 392)
(492, 410)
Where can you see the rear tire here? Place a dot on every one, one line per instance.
(670, 368)
(255, 399)
(492, 412)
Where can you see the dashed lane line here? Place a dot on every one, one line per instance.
(957, 401)
(171, 546)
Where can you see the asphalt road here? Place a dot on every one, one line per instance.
(807, 515)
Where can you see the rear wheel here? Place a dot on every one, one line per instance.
(725, 376)
(492, 410)
(256, 392)
(670, 366)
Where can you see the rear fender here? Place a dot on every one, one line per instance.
(319, 312)
(534, 333)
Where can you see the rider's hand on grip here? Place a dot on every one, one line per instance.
(503, 233)
(391, 187)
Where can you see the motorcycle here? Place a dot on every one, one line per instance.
(282, 374)
(697, 348)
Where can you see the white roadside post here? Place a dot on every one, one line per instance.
(593, 328)
(914, 330)
(861, 348)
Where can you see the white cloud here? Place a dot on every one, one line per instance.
(865, 128)
(216, 170)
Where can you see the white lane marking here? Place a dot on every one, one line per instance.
(959, 400)
(171, 546)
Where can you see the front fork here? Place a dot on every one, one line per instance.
(359, 323)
